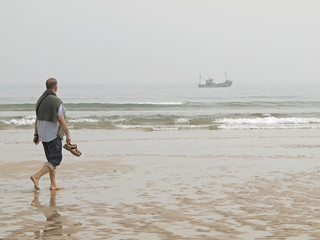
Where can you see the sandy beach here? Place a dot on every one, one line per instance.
(189, 184)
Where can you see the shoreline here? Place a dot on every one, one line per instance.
(244, 184)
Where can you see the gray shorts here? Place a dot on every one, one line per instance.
(53, 151)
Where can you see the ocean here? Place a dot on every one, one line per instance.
(166, 162)
(165, 107)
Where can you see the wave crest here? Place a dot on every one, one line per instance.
(169, 122)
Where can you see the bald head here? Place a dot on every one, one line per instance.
(51, 83)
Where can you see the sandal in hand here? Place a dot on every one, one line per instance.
(73, 149)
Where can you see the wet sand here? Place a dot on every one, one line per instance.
(192, 184)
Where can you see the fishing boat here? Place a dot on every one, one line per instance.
(211, 84)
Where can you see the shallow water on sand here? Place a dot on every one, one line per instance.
(166, 185)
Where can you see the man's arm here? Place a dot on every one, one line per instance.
(64, 126)
(36, 136)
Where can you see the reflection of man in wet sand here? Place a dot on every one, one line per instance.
(54, 220)
(49, 129)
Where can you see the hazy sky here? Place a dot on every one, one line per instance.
(160, 41)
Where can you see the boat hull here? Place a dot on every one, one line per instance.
(216, 85)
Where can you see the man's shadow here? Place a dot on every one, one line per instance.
(53, 226)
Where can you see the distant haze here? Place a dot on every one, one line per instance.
(160, 41)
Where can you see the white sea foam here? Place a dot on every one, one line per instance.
(19, 122)
(117, 120)
(164, 129)
(181, 120)
(84, 120)
(122, 126)
(268, 123)
(268, 120)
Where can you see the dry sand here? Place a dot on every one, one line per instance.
(189, 184)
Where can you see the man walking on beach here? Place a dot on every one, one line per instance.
(50, 127)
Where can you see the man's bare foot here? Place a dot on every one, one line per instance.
(56, 188)
(35, 182)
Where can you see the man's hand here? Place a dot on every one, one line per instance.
(68, 139)
(36, 140)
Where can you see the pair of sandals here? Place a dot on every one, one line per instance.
(73, 149)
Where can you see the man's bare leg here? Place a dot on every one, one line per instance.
(54, 185)
(36, 177)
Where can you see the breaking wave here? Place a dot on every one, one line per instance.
(169, 122)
